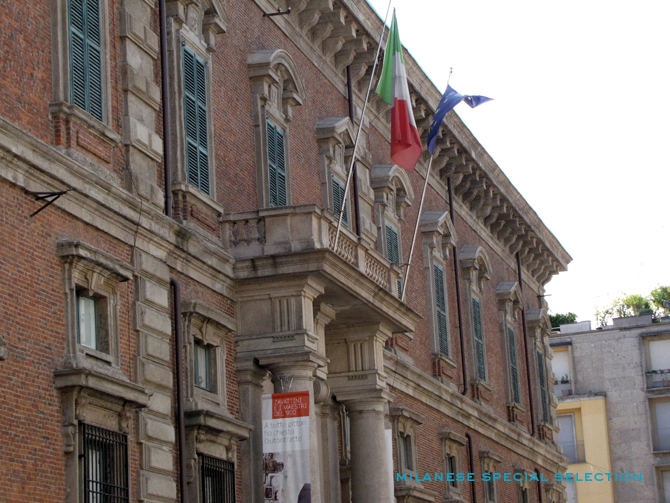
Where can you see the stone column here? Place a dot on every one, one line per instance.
(328, 415)
(357, 378)
(250, 377)
(295, 372)
(369, 457)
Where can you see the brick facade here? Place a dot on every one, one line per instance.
(235, 261)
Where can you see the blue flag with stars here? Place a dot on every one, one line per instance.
(449, 100)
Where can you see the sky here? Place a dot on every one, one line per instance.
(580, 124)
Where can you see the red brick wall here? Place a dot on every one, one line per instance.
(32, 322)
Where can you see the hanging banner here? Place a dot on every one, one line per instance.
(286, 465)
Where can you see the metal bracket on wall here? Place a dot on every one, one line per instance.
(49, 197)
(278, 13)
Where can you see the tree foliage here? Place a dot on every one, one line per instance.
(635, 305)
(562, 319)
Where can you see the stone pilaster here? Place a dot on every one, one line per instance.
(141, 100)
(156, 434)
(250, 377)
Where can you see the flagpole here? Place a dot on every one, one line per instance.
(358, 132)
(418, 217)
(416, 229)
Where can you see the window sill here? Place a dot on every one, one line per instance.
(111, 385)
(69, 111)
(103, 358)
(444, 358)
(217, 423)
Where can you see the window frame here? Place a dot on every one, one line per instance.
(481, 370)
(276, 88)
(476, 272)
(90, 272)
(196, 97)
(62, 73)
(405, 423)
(452, 448)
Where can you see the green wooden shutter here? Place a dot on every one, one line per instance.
(479, 340)
(441, 310)
(85, 56)
(543, 386)
(195, 121)
(392, 250)
(276, 165)
(513, 366)
(338, 197)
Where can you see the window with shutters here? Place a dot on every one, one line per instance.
(195, 121)
(338, 198)
(480, 354)
(393, 252)
(441, 310)
(80, 79)
(438, 237)
(86, 89)
(275, 89)
(542, 377)
(513, 368)
(476, 272)
(509, 304)
(277, 165)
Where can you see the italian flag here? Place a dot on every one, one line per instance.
(405, 141)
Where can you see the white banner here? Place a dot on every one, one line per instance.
(286, 448)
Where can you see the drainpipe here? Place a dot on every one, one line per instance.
(165, 92)
(525, 338)
(179, 372)
(472, 468)
(350, 93)
(457, 276)
(539, 484)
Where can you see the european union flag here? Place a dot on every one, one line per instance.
(449, 100)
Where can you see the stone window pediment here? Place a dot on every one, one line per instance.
(476, 266)
(276, 87)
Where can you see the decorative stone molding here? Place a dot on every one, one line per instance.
(489, 462)
(438, 236)
(476, 266)
(452, 445)
(510, 299)
(276, 88)
(526, 477)
(211, 328)
(553, 492)
(95, 398)
(96, 274)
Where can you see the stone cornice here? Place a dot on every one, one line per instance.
(348, 34)
(414, 382)
(34, 165)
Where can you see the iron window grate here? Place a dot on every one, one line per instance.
(105, 465)
(218, 480)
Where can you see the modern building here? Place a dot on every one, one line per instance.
(170, 177)
(613, 389)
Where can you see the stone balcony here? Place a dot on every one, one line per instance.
(293, 229)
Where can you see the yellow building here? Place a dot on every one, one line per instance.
(583, 436)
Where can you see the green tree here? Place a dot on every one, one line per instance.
(657, 296)
(562, 319)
